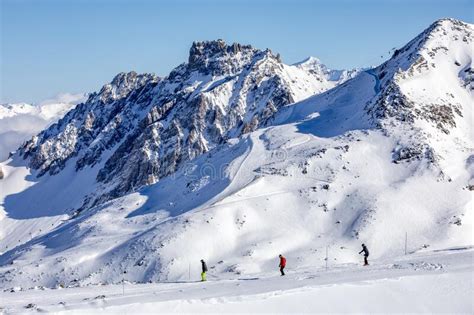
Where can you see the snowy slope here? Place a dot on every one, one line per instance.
(19, 122)
(434, 282)
(383, 155)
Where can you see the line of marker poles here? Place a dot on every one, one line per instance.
(327, 259)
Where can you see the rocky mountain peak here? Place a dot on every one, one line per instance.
(204, 50)
(448, 22)
(124, 77)
(420, 54)
(446, 30)
(122, 84)
(218, 58)
(441, 55)
(433, 40)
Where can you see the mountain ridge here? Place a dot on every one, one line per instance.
(252, 83)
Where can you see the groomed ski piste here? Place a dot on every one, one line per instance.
(439, 281)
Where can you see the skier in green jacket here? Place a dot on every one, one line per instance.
(204, 270)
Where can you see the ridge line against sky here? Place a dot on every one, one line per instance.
(51, 46)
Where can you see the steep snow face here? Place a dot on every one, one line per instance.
(19, 122)
(139, 128)
(236, 182)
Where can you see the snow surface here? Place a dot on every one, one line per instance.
(431, 281)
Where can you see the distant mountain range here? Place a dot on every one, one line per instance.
(19, 122)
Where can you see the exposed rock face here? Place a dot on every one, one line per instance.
(92, 127)
(217, 58)
(1, 173)
(140, 128)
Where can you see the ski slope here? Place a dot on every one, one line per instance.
(314, 193)
(430, 281)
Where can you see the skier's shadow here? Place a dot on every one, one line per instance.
(181, 281)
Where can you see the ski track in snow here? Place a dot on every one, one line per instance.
(293, 144)
(377, 87)
(239, 180)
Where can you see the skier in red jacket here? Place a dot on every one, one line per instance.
(282, 264)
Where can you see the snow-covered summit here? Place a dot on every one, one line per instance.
(9, 110)
(427, 88)
(121, 85)
(448, 37)
(320, 71)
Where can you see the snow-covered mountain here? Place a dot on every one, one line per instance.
(231, 159)
(19, 122)
(328, 77)
(142, 128)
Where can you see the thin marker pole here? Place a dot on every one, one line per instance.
(123, 282)
(406, 242)
(327, 248)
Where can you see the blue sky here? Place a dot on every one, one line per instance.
(49, 47)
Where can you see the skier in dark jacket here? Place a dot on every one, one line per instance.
(366, 254)
(282, 264)
(204, 270)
